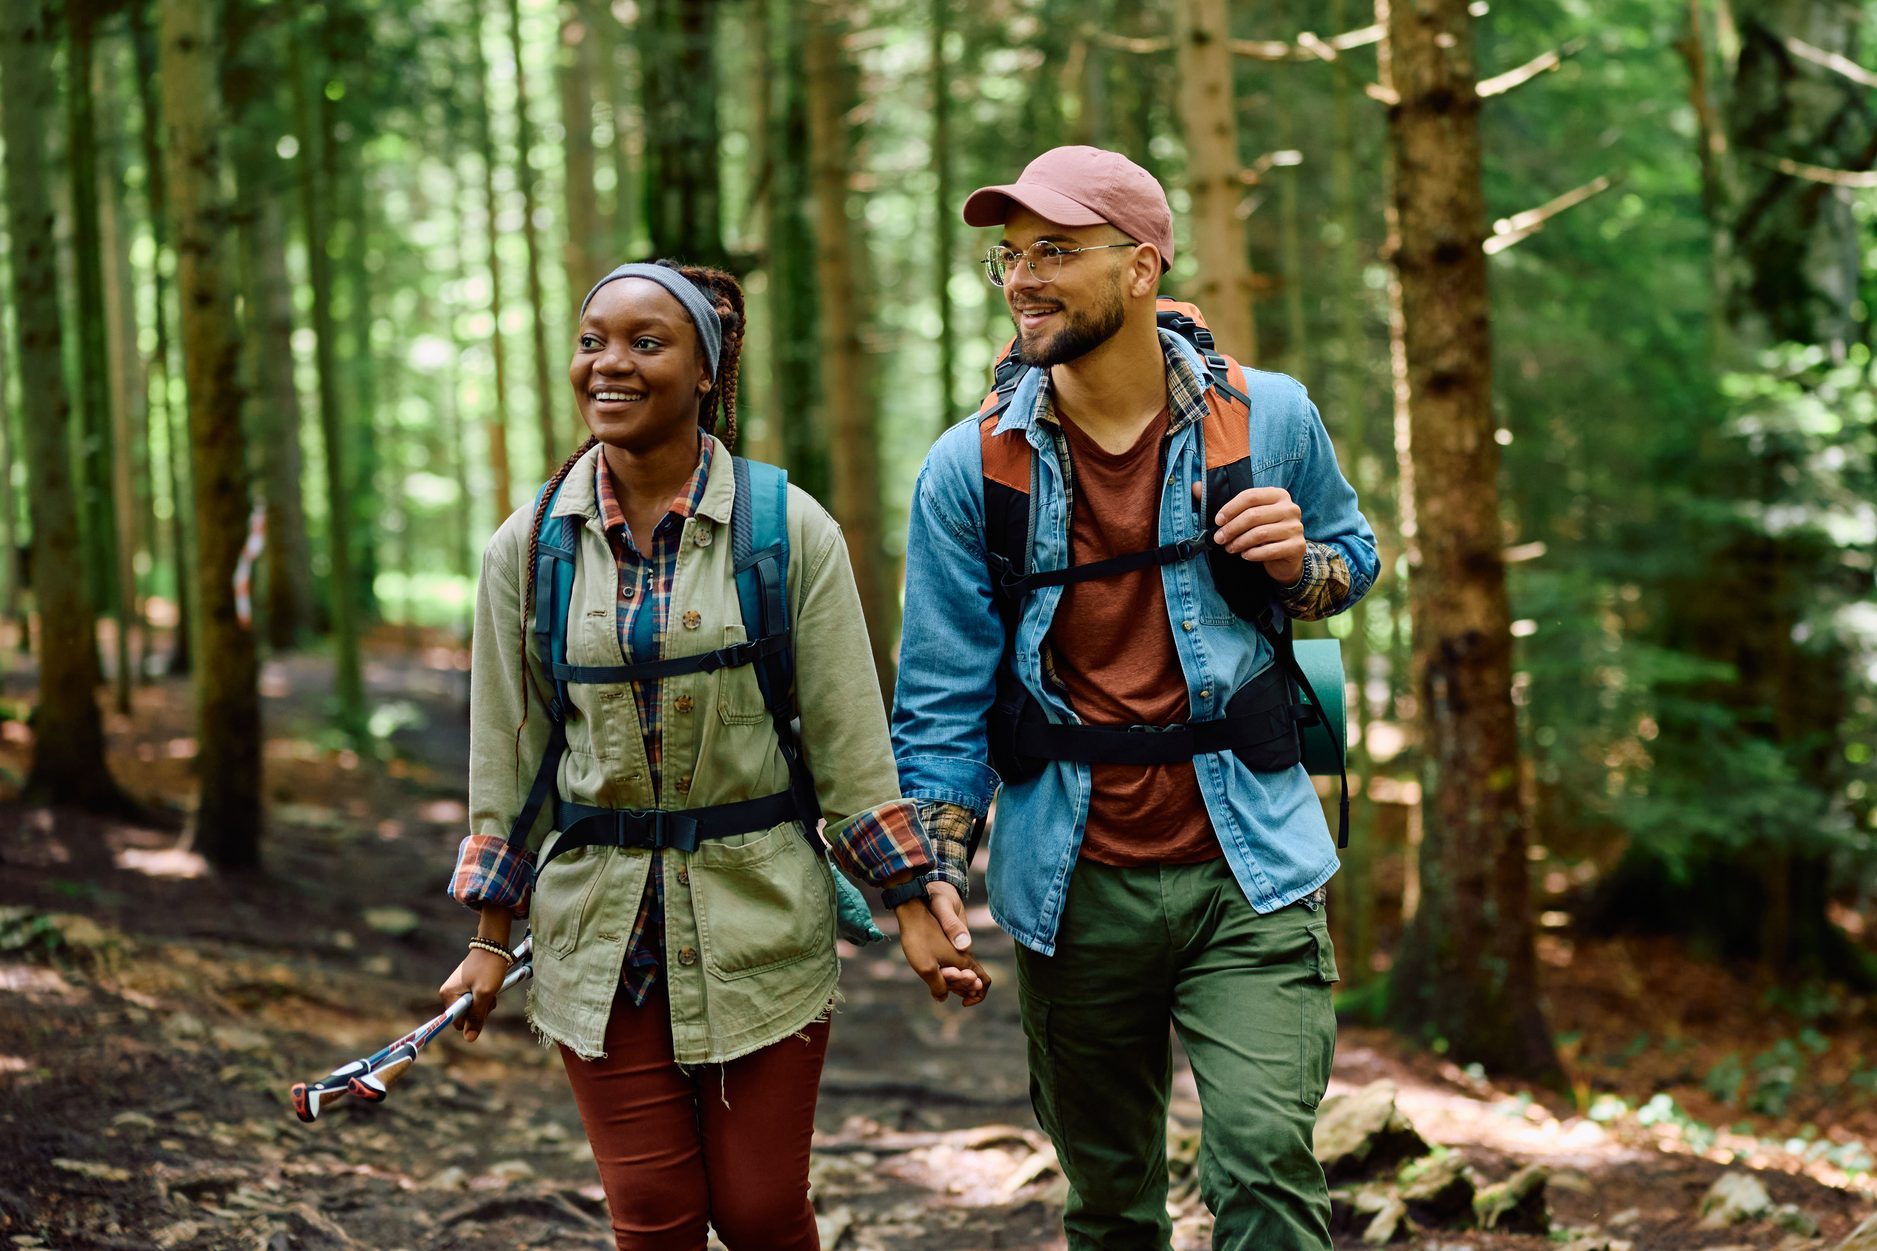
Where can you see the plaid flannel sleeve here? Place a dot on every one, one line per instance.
(1323, 584)
(881, 843)
(949, 827)
(492, 870)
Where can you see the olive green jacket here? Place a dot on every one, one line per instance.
(749, 919)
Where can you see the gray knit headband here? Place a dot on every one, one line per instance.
(696, 303)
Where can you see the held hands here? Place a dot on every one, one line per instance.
(1265, 525)
(937, 945)
(481, 974)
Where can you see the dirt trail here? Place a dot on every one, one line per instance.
(149, 1033)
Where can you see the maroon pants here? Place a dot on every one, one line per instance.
(725, 1144)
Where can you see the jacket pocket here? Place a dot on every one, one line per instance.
(567, 894)
(1316, 1026)
(762, 905)
(739, 697)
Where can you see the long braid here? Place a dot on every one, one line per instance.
(726, 296)
(527, 610)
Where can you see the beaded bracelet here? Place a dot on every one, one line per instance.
(491, 946)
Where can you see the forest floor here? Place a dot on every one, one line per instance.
(153, 1016)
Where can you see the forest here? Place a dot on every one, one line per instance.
(1583, 289)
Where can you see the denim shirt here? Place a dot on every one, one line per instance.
(1270, 825)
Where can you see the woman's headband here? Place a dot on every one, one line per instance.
(696, 303)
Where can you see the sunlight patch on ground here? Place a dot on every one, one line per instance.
(166, 862)
(32, 979)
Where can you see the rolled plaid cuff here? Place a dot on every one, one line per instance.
(949, 827)
(491, 870)
(881, 843)
(1323, 586)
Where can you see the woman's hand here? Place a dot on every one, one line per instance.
(480, 974)
(943, 968)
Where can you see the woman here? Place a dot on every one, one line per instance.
(687, 981)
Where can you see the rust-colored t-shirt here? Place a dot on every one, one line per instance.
(1113, 651)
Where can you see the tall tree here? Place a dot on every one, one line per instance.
(228, 704)
(840, 268)
(683, 182)
(68, 759)
(314, 120)
(1222, 287)
(794, 353)
(945, 234)
(552, 440)
(1466, 971)
(492, 208)
(579, 48)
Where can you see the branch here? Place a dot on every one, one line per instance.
(1127, 43)
(1816, 173)
(1254, 174)
(1833, 62)
(1521, 226)
(1308, 46)
(1499, 84)
(1381, 94)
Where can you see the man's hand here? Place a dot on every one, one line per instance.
(949, 911)
(944, 968)
(1262, 524)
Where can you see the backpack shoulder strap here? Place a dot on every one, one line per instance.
(759, 551)
(553, 595)
(1006, 485)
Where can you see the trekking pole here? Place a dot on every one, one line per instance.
(372, 1077)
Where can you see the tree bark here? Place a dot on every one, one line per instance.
(945, 233)
(492, 207)
(554, 444)
(794, 315)
(840, 266)
(1208, 116)
(68, 759)
(1466, 972)
(579, 42)
(228, 707)
(315, 127)
(683, 183)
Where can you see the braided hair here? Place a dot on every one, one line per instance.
(726, 296)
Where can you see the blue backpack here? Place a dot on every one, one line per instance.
(759, 548)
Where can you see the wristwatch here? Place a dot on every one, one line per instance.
(905, 892)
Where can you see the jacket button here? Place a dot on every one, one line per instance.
(684, 785)
(703, 538)
(1205, 692)
(1187, 626)
(687, 955)
(683, 703)
(684, 876)
(693, 619)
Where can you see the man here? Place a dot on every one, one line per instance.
(1141, 887)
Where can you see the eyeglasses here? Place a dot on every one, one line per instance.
(1043, 258)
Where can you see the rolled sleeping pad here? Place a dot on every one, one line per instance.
(1324, 739)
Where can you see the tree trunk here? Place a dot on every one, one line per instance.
(614, 51)
(794, 316)
(228, 706)
(554, 445)
(492, 207)
(13, 607)
(945, 234)
(97, 521)
(315, 190)
(585, 247)
(68, 759)
(1208, 116)
(143, 43)
(840, 268)
(1466, 972)
(288, 555)
(126, 377)
(346, 170)
(683, 183)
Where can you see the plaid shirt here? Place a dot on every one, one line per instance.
(875, 846)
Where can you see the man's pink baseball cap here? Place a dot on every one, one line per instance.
(1083, 186)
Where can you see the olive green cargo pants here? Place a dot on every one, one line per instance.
(1250, 997)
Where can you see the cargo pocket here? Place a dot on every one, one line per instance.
(1316, 1028)
(739, 698)
(565, 893)
(763, 905)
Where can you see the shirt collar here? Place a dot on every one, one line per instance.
(1187, 383)
(683, 504)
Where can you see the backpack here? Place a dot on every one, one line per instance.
(759, 548)
(1293, 712)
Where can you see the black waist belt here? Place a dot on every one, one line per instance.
(680, 830)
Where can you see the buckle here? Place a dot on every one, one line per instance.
(623, 817)
(1193, 546)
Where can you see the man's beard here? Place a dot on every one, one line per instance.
(1082, 332)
